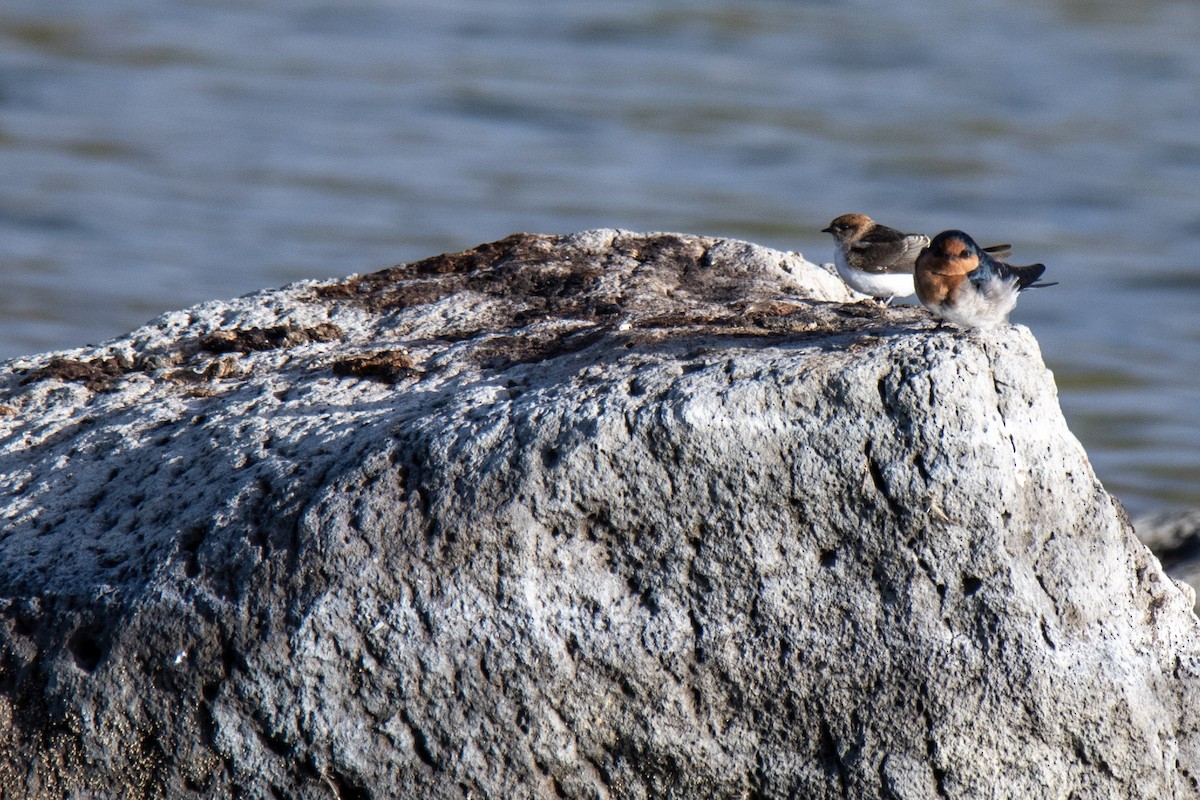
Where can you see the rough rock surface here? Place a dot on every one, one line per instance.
(1174, 536)
(600, 516)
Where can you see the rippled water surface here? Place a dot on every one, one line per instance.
(156, 154)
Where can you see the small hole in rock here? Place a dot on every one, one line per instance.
(85, 645)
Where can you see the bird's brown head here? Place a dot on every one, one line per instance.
(849, 225)
(950, 253)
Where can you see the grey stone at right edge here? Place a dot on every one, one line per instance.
(1174, 536)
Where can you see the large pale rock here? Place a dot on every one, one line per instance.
(606, 515)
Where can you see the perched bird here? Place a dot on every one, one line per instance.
(872, 258)
(961, 283)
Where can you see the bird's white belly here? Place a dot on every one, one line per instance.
(876, 284)
(984, 307)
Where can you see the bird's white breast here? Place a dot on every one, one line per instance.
(876, 284)
(981, 307)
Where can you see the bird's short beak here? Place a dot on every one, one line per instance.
(827, 230)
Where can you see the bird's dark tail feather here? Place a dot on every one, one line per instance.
(1027, 277)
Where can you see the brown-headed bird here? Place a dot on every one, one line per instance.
(961, 283)
(874, 259)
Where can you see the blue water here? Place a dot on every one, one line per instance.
(156, 154)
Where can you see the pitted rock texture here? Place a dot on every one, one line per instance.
(605, 515)
(1174, 537)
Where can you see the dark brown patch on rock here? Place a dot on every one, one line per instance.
(770, 308)
(863, 308)
(248, 340)
(213, 370)
(501, 352)
(538, 276)
(102, 373)
(98, 374)
(685, 320)
(485, 256)
(388, 366)
(663, 247)
(401, 286)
